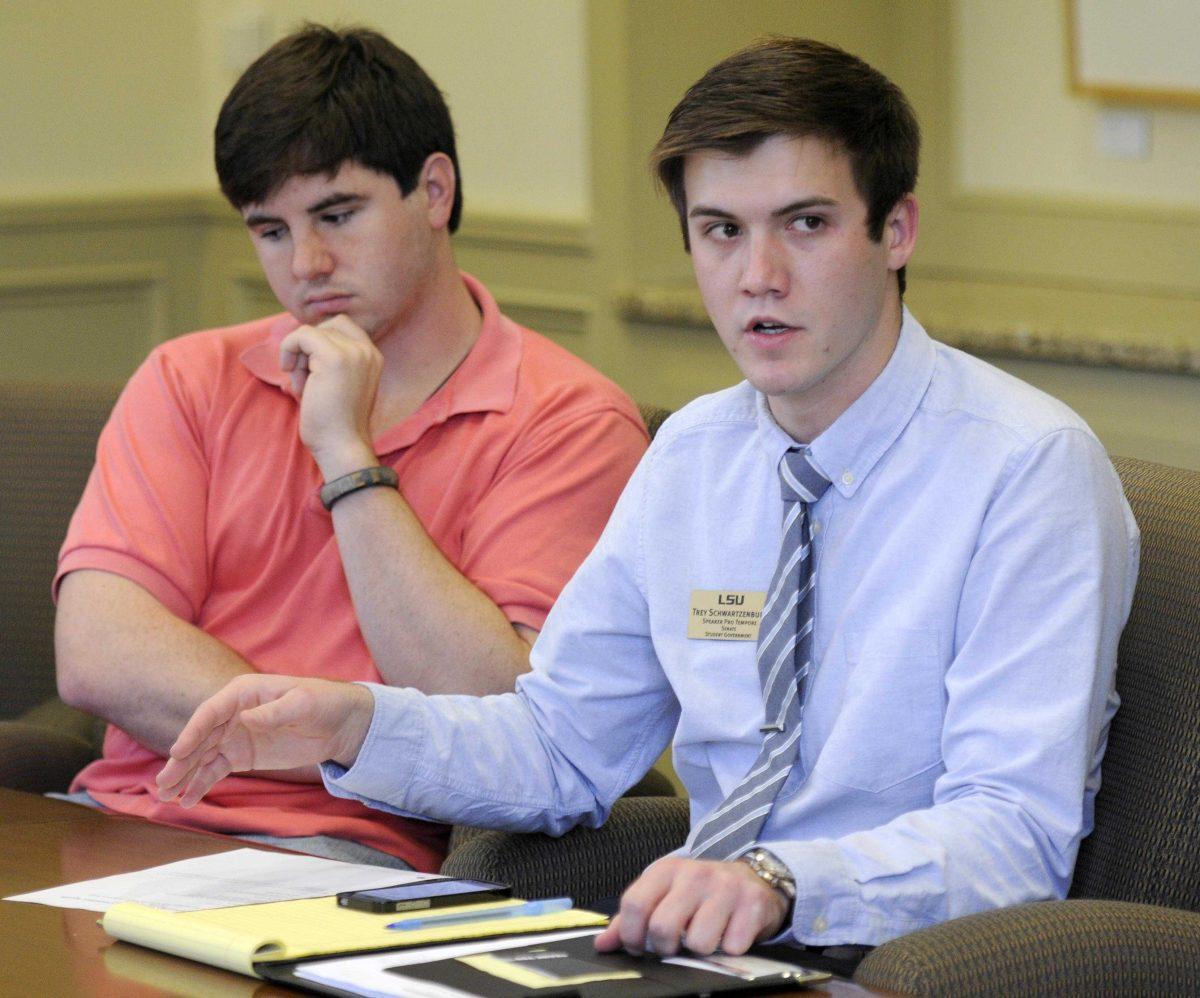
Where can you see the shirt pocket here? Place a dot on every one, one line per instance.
(889, 727)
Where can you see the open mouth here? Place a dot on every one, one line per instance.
(770, 328)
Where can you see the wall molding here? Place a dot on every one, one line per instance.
(546, 311)
(525, 233)
(18, 216)
(547, 234)
(683, 308)
(54, 287)
(1169, 290)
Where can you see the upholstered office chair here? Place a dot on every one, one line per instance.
(47, 447)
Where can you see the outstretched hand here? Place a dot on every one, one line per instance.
(261, 722)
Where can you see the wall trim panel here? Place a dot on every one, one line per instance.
(683, 308)
(81, 284)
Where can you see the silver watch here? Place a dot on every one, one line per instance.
(771, 869)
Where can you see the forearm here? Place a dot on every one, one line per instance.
(123, 656)
(426, 625)
(956, 858)
(506, 773)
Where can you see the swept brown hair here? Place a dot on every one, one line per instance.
(797, 87)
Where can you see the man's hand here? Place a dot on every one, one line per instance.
(697, 904)
(335, 371)
(265, 722)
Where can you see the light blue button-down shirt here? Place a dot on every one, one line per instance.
(975, 565)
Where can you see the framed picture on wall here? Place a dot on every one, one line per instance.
(1135, 51)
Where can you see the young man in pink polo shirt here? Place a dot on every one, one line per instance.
(391, 482)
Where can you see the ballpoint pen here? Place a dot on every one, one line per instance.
(529, 908)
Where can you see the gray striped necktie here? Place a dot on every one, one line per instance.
(784, 658)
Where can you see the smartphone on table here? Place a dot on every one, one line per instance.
(439, 893)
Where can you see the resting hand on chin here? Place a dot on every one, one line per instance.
(265, 722)
(334, 370)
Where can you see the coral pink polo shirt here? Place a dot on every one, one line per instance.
(204, 495)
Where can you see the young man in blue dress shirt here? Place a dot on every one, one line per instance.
(974, 552)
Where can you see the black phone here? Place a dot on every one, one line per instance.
(438, 893)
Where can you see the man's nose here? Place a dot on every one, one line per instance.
(765, 269)
(310, 257)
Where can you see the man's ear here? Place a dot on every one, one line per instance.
(438, 183)
(900, 231)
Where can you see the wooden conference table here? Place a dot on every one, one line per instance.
(59, 951)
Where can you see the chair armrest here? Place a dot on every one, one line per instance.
(586, 864)
(38, 759)
(1049, 948)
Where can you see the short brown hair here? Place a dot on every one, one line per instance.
(797, 87)
(322, 97)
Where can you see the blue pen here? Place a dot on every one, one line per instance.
(546, 907)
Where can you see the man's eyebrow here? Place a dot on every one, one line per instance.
(711, 211)
(704, 211)
(331, 201)
(258, 218)
(803, 205)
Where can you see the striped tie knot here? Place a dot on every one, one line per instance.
(799, 479)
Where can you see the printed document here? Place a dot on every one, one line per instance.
(242, 876)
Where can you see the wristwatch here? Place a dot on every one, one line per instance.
(772, 871)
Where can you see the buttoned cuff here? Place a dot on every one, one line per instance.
(829, 909)
(390, 755)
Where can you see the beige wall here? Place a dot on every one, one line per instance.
(120, 97)
(1021, 131)
(111, 239)
(100, 98)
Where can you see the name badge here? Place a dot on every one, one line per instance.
(722, 615)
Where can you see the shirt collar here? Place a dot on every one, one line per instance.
(485, 381)
(851, 447)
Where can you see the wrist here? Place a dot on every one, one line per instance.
(354, 729)
(343, 459)
(774, 873)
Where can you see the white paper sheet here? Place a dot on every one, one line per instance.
(368, 975)
(241, 876)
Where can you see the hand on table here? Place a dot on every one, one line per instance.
(265, 722)
(334, 369)
(697, 904)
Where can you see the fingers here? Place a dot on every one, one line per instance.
(214, 766)
(639, 903)
(347, 327)
(610, 938)
(334, 370)
(212, 743)
(336, 337)
(699, 905)
(298, 373)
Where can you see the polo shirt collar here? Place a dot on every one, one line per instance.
(485, 381)
(850, 448)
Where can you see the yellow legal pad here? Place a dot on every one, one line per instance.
(237, 938)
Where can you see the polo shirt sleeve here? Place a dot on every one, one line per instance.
(142, 515)
(548, 505)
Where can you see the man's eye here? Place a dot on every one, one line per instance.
(270, 235)
(809, 223)
(338, 217)
(723, 230)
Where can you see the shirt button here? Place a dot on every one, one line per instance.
(816, 527)
(847, 478)
(819, 924)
